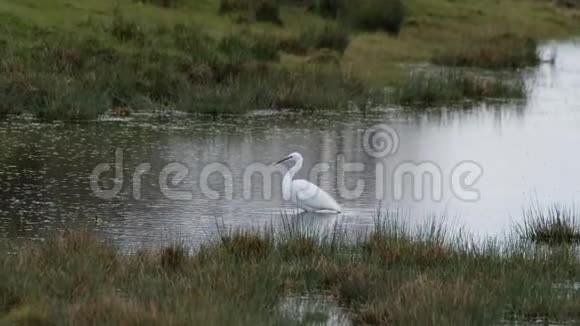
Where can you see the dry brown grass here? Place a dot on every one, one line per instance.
(399, 250)
(415, 301)
(247, 245)
(112, 309)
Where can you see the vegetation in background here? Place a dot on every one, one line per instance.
(451, 85)
(163, 3)
(258, 10)
(330, 37)
(181, 54)
(568, 3)
(396, 275)
(125, 30)
(368, 15)
(376, 15)
(71, 79)
(505, 51)
(325, 8)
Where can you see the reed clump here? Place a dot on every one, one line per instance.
(504, 51)
(247, 245)
(448, 86)
(554, 225)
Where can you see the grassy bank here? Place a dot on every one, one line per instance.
(76, 61)
(432, 87)
(396, 275)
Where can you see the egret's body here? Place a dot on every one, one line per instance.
(304, 194)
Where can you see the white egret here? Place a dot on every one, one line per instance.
(304, 194)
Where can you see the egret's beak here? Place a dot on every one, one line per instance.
(283, 160)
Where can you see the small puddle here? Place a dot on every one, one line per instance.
(315, 310)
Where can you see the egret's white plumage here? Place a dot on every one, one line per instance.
(304, 194)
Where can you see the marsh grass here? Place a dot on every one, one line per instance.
(328, 37)
(69, 78)
(397, 274)
(367, 15)
(394, 242)
(568, 3)
(163, 3)
(259, 10)
(554, 225)
(173, 257)
(247, 245)
(124, 29)
(135, 56)
(325, 8)
(310, 88)
(268, 11)
(376, 15)
(373, 57)
(445, 86)
(505, 51)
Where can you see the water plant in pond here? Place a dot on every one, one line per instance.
(555, 225)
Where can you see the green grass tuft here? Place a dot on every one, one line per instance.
(329, 37)
(447, 86)
(125, 30)
(247, 245)
(173, 257)
(555, 225)
(505, 51)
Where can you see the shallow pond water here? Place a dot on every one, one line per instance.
(314, 310)
(477, 165)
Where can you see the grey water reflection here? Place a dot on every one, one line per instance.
(528, 152)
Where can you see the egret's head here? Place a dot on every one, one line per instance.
(294, 157)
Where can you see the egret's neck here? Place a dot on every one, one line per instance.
(287, 182)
